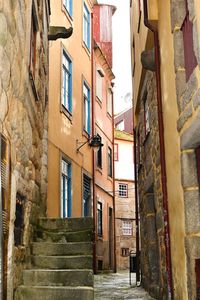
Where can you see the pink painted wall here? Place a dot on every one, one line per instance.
(103, 29)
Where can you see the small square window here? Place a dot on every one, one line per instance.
(125, 252)
(127, 228)
(123, 190)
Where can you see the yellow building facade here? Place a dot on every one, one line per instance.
(177, 267)
(70, 100)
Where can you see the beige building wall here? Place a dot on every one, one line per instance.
(173, 154)
(65, 129)
(144, 41)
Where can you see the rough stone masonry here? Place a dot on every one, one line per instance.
(23, 118)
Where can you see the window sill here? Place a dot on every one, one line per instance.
(85, 134)
(99, 101)
(66, 113)
(86, 50)
(110, 178)
(109, 116)
(67, 14)
(100, 237)
(33, 85)
(99, 169)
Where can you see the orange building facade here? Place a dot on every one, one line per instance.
(103, 127)
(70, 106)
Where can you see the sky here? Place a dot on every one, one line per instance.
(121, 54)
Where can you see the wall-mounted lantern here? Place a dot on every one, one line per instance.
(94, 142)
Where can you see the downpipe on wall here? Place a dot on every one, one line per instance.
(162, 151)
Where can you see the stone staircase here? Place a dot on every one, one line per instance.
(61, 261)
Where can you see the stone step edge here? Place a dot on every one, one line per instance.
(58, 270)
(56, 287)
(63, 256)
(58, 231)
(63, 244)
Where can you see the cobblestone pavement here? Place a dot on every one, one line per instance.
(116, 286)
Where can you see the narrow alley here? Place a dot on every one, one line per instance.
(116, 286)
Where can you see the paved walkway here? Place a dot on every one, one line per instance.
(116, 286)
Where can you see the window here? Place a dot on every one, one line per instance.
(65, 189)
(139, 15)
(86, 26)
(66, 82)
(68, 5)
(99, 219)
(123, 190)
(86, 108)
(99, 84)
(190, 58)
(109, 102)
(33, 43)
(116, 152)
(146, 116)
(109, 162)
(127, 228)
(198, 163)
(86, 195)
(125, 252)
(99, 156)
(120, 125)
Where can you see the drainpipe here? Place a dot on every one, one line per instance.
(137, 238)
(93, 154)
(113, 163)
(162, 151)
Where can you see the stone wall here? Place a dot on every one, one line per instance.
(153, 258)
(188, 99)
(23, 119)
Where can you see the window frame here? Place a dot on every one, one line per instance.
(66, 212)
(86, 178)
(118, 124)
(67, 102)
(110, 164)
(99, 84)
(127, 230)
(109, 102)
(188, 44)
(116, 153)
(99, 218)
(125, 191)
(99, 155)
(86, 100)
(87, 21)
(68, 8)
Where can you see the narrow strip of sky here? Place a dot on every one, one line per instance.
(121, 54)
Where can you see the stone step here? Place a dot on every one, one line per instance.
(54, 293)
(58, 277)
(69, 224)
(62, 262)
(64, 236)
(61, 248)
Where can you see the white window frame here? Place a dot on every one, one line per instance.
(127, 228)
